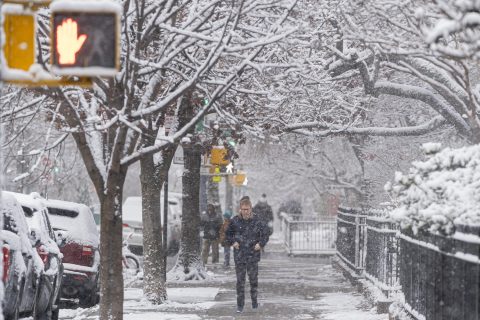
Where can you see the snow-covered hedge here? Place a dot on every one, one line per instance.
(439, 192)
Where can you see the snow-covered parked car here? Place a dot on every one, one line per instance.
(22, 265)
(43, 236)
(75, 227)
(133, 223)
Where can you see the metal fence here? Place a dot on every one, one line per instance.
(440, 275)
(351, 238)
(303, 234)
(381, 262)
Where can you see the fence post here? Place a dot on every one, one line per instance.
(357, 241)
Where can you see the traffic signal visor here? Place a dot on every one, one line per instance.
(85, 37)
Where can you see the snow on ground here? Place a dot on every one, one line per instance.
(341, 306)
(293, 288)
(184, 303)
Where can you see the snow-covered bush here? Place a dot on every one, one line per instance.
(439, 192)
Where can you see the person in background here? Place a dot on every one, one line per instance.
(226, 248)
(248, 235)
(211, 223)
(264, 212)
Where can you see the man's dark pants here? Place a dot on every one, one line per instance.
(250, 268)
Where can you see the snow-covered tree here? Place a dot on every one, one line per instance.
(438, 192)
(170, 50)
(403, 66)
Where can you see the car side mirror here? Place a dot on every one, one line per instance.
(34, 238)
(61, 236)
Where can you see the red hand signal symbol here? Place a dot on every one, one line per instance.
(68, 41)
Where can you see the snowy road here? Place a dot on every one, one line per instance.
(290, 288)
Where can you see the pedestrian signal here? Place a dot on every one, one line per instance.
(85, 38)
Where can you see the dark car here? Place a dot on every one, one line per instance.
(22, 265)
(48, 296)
(74, 225)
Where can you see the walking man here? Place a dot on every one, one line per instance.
(211, 223)
(264, 212)
(248, 235)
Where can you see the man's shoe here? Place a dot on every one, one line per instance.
(239, 309)
(254, 306)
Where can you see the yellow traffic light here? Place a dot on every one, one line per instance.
(218, 156)
(239, 178)
(19, 47)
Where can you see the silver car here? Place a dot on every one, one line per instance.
(133, 224)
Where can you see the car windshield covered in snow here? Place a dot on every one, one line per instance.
(75, 218)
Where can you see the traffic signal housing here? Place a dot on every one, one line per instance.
(85, 38)
(19, 45)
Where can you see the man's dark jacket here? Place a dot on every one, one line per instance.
(211, 224)
(264, 211)
(247, 233)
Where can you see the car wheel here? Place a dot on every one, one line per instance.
(90, 301)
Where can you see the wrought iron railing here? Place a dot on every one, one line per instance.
(351, 238)
(440, 276)
(381, 262)
(303, 234)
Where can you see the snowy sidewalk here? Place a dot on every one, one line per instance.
(289, 288)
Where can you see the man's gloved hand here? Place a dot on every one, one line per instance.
(236, 245)
(257, 247)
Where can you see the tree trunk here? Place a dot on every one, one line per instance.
(152, 178)
(111, 277)
(189, 265)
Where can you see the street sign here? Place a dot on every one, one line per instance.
(19, 48)
(85, 38)
(204, 170)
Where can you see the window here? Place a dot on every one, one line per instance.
(63, 212)
(9, 222)
(28, 211)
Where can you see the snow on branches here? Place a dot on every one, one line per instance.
(439, 192)
(455, 30)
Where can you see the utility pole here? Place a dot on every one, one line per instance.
(228, 195)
